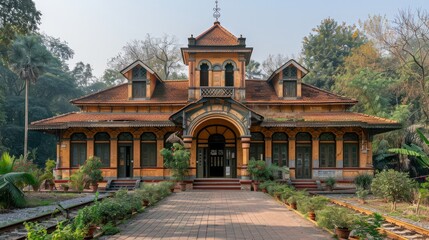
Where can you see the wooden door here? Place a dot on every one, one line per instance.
(216, 162)
(125, 161)
(303, 161)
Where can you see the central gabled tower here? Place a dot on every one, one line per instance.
(217, 63)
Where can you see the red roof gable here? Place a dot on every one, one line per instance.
(216, 36)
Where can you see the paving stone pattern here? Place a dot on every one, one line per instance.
(219, 215)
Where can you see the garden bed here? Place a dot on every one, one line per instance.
(405, 211)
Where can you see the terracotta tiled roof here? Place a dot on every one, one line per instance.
(216, 36)
(327, 119)
(261, 92)
(86, 119)
(168, 92)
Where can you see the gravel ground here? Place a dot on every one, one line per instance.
(17, 215)
(343, 198)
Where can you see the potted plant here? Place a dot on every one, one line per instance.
(77, 180)
(338, 218)
(48, 175)
(362, 194)
(292, 201)
(92, 169)
(88, 219)
(65, 187)
(330, 183)
(259, 171)
(309, 205)
(177, 160)
(264, 186)
(368, 227)
(286, 193)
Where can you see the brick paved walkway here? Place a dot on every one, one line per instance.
(219, 215)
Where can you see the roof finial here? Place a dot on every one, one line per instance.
(216, 13)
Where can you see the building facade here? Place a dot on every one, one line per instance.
(225, 120)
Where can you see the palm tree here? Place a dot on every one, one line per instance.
(28, 59)
(10, 194)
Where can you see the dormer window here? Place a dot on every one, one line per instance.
(139, 73)
(139, 82)
(204, 75)
(229, 75)
(289, 82)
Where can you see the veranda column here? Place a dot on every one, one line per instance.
(268, 152)
(245, 145)
(315, 155)
(114, 157)
(339, 159)
(292, 156)
(89, 147)
(136, 157)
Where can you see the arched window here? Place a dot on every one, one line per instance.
(327, 150)
(351, 150)
(289, 81)
(303, 155)
(229, 75)
(102, 147)
(125, 137)
(77, 149)
(148, 150)
(204, 75)
(139, 82)
(257, 146)
(280, 149)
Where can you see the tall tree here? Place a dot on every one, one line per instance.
(407, 39)
(324, 51)
(253, 70)
(161, 54)
(28, 58)
(16, 17)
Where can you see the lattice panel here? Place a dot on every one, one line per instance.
(217, 92)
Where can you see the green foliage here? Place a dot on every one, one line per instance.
(177, 159)
(363, 181)
(259, 170)
(393, 186)
(362, 194)
(367, 227)
(311, 204)
(324, 51)
(415, 150)
(92, 170)
(266, 184)
(110, 229)
(35, 231)
(297, 196)
(331, 217)
(48, 175)
(78, 179)
(6, 163)
(330, 181)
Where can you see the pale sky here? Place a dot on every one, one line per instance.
(97, 29)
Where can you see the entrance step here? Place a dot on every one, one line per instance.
(216, 184)
(304, 184)
(116, 184)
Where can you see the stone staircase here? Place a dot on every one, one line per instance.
(216, 184)
(305, 184)
(116, 184)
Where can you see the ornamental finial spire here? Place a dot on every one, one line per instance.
(216, 13)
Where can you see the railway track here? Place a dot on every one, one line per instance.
(49, 220)
(393, 228)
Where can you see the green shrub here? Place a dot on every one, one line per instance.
(110, 229)
(266, 184)
(394, 186)
(91, 169)
(363, 181)
(362, 194)
(368, 226)
(177, 159)
(259, 171)
(311, 204)
(331, 217)
(330, 182)
(297, 196)
(77, 180)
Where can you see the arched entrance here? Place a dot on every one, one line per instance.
(217, 154)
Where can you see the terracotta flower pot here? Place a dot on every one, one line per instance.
(94, 187)
(66, 189)
(145, 203)
(51, 187)
(293, 205)
(172, 189)
(329, 188)
(312, 216)
(286, 202)
(90, 233)
(342, 232)
(264, 190)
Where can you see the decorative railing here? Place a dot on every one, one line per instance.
(217, 91)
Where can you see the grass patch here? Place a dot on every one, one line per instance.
(36, 199)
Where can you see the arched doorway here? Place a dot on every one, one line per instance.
(217, 157)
